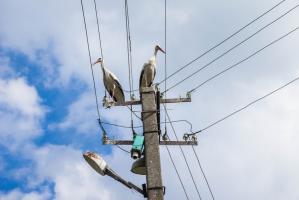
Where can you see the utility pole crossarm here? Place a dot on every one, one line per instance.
(130, 142)
(173, 100)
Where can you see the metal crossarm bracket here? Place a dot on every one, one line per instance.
(173, 100)
(130, 142)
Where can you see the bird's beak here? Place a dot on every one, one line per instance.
(161, 49)
(98, 61)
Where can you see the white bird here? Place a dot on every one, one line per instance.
(111, 83)
(148, 72)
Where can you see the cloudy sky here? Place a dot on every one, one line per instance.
(48, 112)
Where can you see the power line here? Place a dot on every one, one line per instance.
(99, 34)
(201, 169)
(92, 73)
(129, 48)
(165, 122)
(232, 48)
(129, 55)
(203, 173)
(133, 112)
(184, 156)
(165, 59)
(243, 60)
(244, 107)
(98, 26)
(177, 172)
(223, 41)
(124, 150)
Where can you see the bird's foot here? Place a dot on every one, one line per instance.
(107, 102)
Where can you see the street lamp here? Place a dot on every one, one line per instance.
(100, 166)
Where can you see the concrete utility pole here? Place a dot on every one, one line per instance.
(155, 189)
(149, 100)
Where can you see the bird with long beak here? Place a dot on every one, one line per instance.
(111, 83)
(148, 72)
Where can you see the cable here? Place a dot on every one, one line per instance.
(99, 34)
(92, 73)
(165, 122)
(124, 150)
(165, 59)
(129, 57)
(128, 91)
(229, 50)
(201, 169)
(241, 61)
(177, 172)
(244, 107)
(128, 46)
(133, 112)
(223, 41)
(190, 172)
(203, 173)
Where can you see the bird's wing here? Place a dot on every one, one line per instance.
(154, 75)
(142, 73)
(111, 74)
(105, 80)
(141, 76)
(119, 86)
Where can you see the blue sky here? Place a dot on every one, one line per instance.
(48, 113)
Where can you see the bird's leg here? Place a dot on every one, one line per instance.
(113, 102)
(106, 102)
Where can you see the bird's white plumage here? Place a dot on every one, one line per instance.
(112, 84)
(148, 72)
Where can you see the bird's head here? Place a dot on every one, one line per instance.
(99, 60)
(158, 48)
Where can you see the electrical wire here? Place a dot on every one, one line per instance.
(129, 57)
(232, 48)
(124, 150)
(244, 107)
(165, 122)
(243, 60)
(165, 60)
(203, 173)
(177, 172)
(99, 35)
(133, 112)
(184, 156)
(98, 27)
(201, 169)
(128, 38)
(223, 41)
(92, 73)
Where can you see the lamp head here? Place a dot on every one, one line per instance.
(96, 162)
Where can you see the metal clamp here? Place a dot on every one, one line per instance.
(154, 131)
(158, 188)
(149, 111)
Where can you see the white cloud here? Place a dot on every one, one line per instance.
(65, 167)
(73, 178)
(19, 195)
(255, 150)
(81, 116)
(20, 112)
(16, 94)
